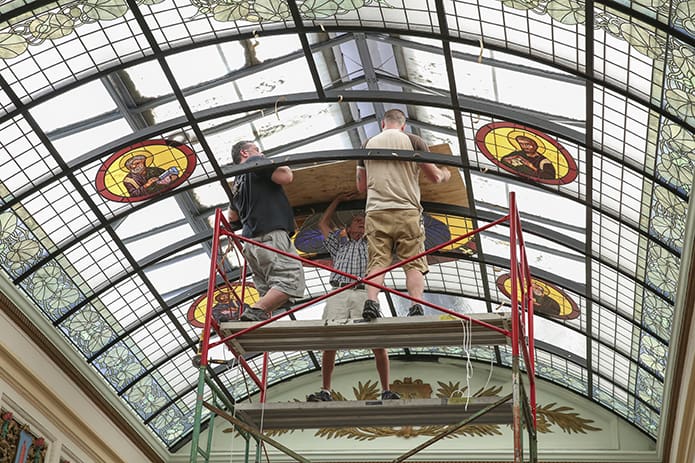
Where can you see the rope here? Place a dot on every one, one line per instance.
(492, 353)
(466, 342)
(492, 365)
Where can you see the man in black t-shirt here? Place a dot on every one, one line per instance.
(260, 203)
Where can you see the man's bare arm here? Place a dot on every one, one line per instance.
(361, 179)
(282, 175)
(435, 174)
(327, 217)
(232, 216)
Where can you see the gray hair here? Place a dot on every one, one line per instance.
(237, 149)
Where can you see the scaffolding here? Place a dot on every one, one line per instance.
(271, 335)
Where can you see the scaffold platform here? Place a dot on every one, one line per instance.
(360, 413)
(391, 332)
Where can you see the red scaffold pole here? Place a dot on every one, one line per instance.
(516, 380)
(264, 377)
(205, 341)
(211, 290)
(527, 301)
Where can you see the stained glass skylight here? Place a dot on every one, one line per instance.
(114, 264)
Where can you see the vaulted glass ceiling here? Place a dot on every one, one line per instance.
(115, 263)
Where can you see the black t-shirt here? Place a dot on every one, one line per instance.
(262, 204)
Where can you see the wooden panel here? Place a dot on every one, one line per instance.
(452, 192)
(320, 184)
(425, 331)
(413, 412)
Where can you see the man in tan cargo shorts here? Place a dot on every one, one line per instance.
(393, 210)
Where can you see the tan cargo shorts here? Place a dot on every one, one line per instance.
(401, 230)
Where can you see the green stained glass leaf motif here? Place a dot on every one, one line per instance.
(64, 296)
(51, 26)
(146, 397)
(682, 102)
(53, 290)
(119, 365)
(683, 59)
(646, 418)
(653, 354)
(271, 10)
(553, 374)
(521, 4)
(676, 156)
(567, 11)
(613, 401)
(8, 226)
(609, 23)
(349, 5)
(649, 389)
(19, 249)
(12, 45)
(668, 217)
(104, 10)
(227, 12)
(46, 281)
(657, 315)
(171, 424)
(644, 41)
(313, 9)
(23, 250)
(685, 14)
(88, 330)
(662, 270)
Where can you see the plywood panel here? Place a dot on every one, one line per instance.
(320, 184)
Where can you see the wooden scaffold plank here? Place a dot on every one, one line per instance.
(391, 332)
(359, 413)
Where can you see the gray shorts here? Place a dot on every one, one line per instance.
(347, 304)
(273, 270)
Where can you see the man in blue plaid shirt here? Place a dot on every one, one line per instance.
(348, 248)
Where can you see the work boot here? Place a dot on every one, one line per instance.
(253, 314)
(371, 310)
(321, 396)
(416, 311)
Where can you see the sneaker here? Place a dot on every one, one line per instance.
(253, 314)
(321, 396)
(228, 314)
(389, 395)
(371, 310)
(416, 311)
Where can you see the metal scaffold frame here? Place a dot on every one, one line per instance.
(520, 334)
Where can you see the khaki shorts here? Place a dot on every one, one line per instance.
(346, 304)
(273, 270)
(399, 229)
